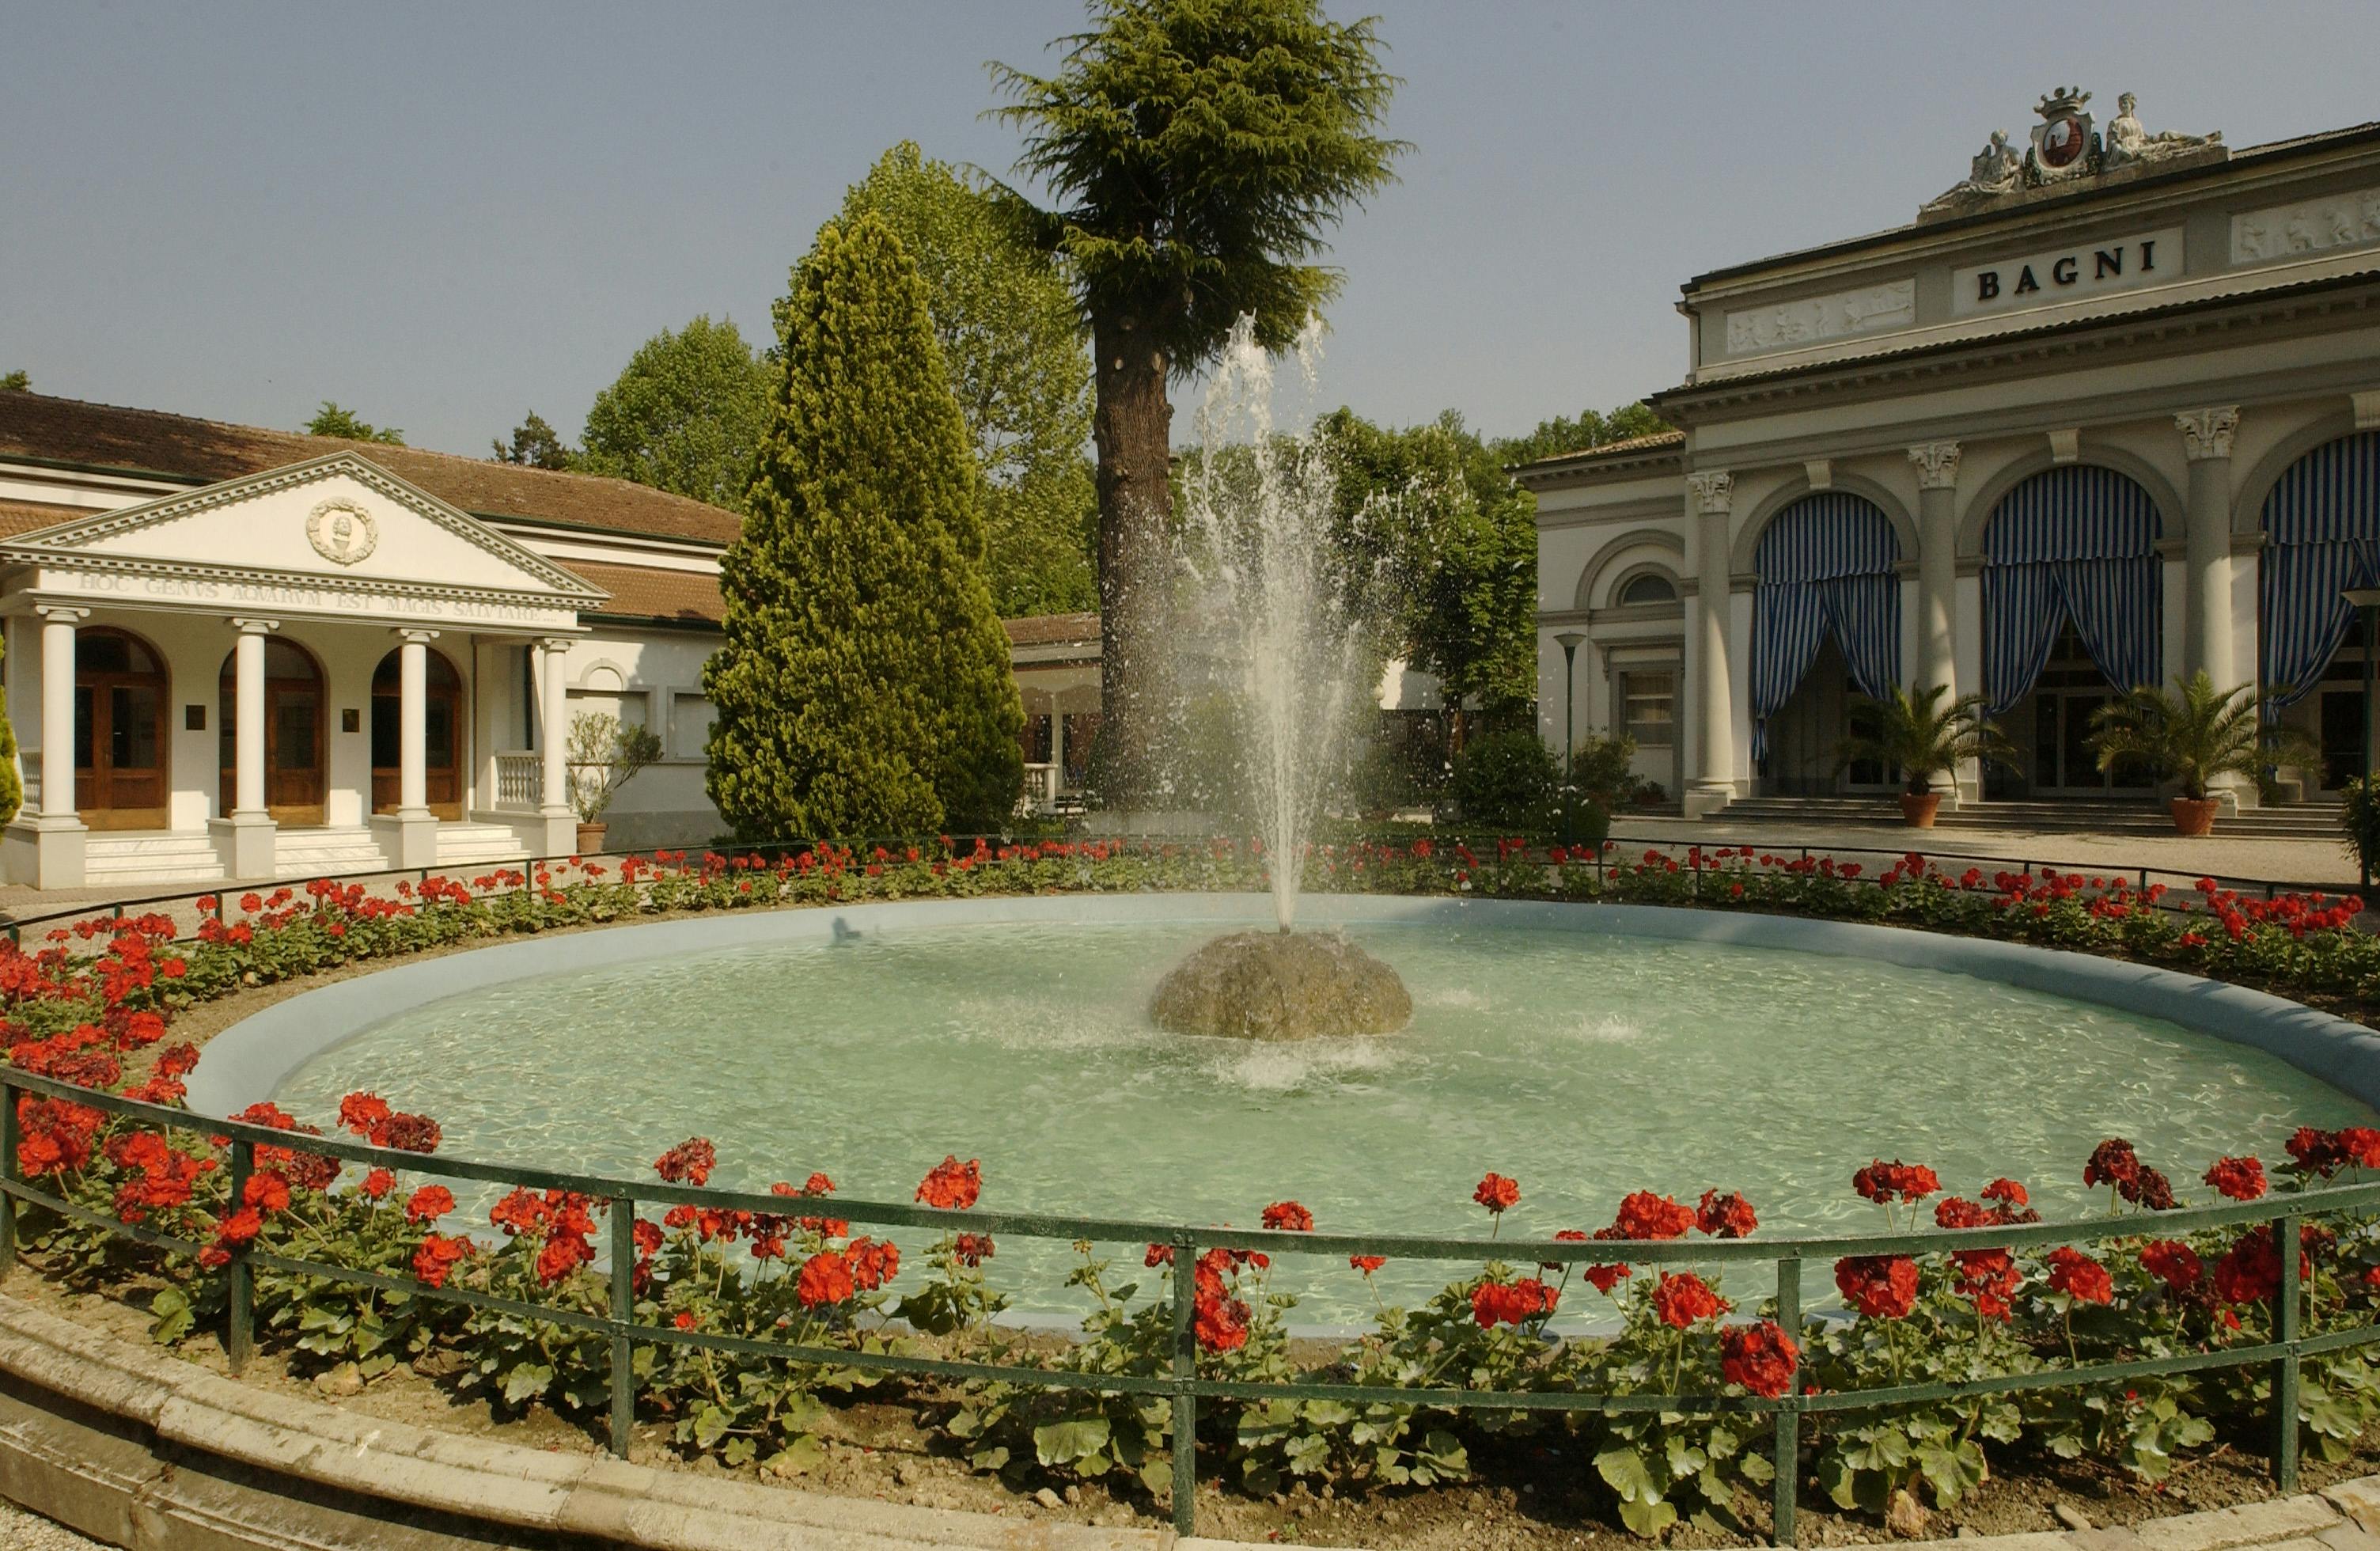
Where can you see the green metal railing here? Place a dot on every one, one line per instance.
(1182, 1385)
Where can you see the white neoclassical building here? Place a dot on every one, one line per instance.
(2105, 413)
(240, 653)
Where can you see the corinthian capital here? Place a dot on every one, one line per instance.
(1713, 491)
(2206, 433)
(1937, 464)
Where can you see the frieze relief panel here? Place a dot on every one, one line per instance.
(2283, 231)
(1812, 319)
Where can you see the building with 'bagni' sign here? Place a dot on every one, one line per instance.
(2105, 413)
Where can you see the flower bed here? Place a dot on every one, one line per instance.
(1684, 1303)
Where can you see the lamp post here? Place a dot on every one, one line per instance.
(2366, 603)
(1569, 640)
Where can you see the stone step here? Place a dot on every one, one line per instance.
(2313, 822)
(327, 852)
(463, 845)
(161, 858)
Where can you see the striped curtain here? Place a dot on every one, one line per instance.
(1827, 567)
(2076, 542)
(2322, 536)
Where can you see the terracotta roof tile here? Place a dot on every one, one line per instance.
(152, 441)
(24, 516)
(1043, 630)
(652, 592)
(1652, 441)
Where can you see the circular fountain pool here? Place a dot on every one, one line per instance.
(1552, 1044)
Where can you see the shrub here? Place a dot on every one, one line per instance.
(1507, 780)
(2359, 816)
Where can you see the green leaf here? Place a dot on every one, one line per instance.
(800, 1457)
(526, 1381)
(1157, 1475)
(174, 1319)
(990, 1460)
(1061, 1443)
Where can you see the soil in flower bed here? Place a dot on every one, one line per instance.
(1529, 1493)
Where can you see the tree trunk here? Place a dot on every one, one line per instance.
(1132, 425)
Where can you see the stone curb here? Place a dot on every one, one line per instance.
(423, 1471)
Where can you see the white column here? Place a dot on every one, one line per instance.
(413, 723)
(1057, 748)
(58, 710)
(1712, 784)
(2206, 596)
(248, 718)
(1937, 565)
(553, 733)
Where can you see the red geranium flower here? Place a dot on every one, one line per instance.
(1882, 1182)
(266, 1191)
(377, 1183)
(1882, 1286)
(2172, 1263)
(2318, 1153)
(971, 1249)
(1682, 1299)
(1497, 1193)
(2112, 1162)
(436, 1255)
(1368, 1263)
(2079, 1277)
(1760, 1357)
(1725, 1217)
(361, 1112)
(952, 1186)
(825, 1278)
(1514, 1302)
(1289, 1215)
(2241, 1178)
(688, 1163)
(872, 1264)
(1647, 1216)
(429, 1203)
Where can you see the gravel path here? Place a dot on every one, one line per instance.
(20, 1531)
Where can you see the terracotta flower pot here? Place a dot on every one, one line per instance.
(2193, 816)
(1917, 811)
(590, 839)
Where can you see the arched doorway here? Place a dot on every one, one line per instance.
(2073, 593)
(1826, 629)
(294, 742)
(119, 738)
(442, 736)
(2322, 536)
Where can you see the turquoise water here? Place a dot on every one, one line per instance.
(1583, 1067)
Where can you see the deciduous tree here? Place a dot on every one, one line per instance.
(863, 684)
(683, 415)
(1196, 151)
(335, 419)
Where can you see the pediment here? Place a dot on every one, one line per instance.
(339, 521)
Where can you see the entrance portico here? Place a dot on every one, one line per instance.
(374, 661)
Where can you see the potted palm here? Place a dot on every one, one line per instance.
(2194, 734)
(603, 755)
(1912, 731)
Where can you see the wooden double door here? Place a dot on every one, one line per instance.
(295, 740)
(119, 736)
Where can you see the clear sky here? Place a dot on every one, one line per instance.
(446, 216)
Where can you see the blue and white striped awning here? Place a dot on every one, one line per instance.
(2322, 536)
(1828, 565)
(2079, 542)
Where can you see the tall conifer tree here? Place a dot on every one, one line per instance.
(863, 687)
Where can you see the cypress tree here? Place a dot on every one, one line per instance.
(863, 687)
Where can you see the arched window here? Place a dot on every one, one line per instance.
(441, 735)
(2076, 544)
(1828, 570)
(1647, 586)
(119, 738)
(294, 734)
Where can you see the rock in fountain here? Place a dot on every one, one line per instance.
(1281, 985)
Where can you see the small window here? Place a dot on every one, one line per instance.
(1650, 587)
(1649, 703)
